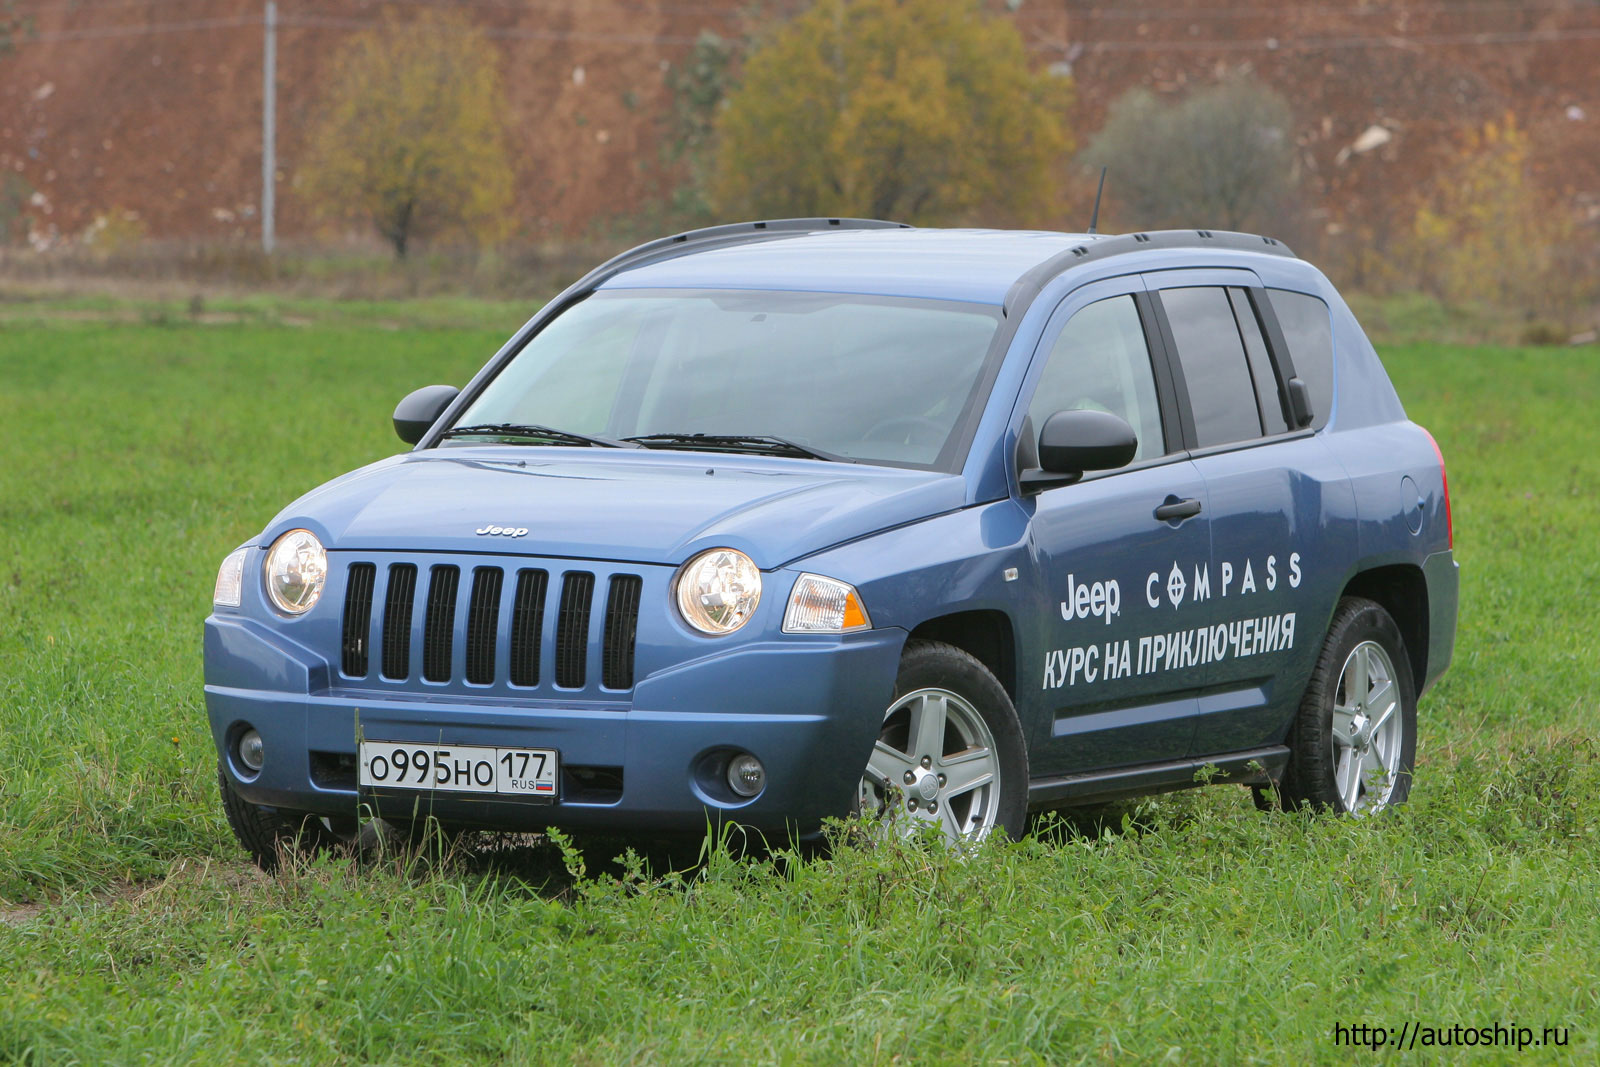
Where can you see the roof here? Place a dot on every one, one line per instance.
(972, 265)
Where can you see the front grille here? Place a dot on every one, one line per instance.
(572, 630)
(622, 622)
(483, 622)
(499, 620)
(397, 621)
(527, 627)
(358, 619)
(438, 635)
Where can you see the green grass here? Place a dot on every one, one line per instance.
(1185, 929)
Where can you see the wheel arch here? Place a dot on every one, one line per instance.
(1402, 591)
(986, 634)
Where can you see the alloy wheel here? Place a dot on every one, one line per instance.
(1368, 729)
(934, 764)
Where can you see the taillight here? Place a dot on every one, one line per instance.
(1449, 520)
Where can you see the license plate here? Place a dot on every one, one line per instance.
(529, 772)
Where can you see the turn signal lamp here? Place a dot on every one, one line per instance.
(819, 605)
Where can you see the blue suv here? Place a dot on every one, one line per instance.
(785, 520)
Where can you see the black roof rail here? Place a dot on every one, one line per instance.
(1029, 285)
(733, 233)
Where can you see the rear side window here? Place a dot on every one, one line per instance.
(1306, 329)
(1222, 395)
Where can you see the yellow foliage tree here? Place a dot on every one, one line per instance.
(412, 138)
(1481, 233)
(921, 110)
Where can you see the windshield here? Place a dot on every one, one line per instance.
(874, 379)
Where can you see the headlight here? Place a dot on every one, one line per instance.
(230, 579)
(297, 567)
(821, 605)
(718, 591)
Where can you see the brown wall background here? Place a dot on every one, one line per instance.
(151, 109)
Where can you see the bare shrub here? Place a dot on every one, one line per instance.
(1223, 157)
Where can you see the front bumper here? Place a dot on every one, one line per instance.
(808, 708)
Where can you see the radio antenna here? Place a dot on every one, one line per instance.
(1095, 219)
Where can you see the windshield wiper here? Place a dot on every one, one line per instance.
(757, 444)
(534, 432)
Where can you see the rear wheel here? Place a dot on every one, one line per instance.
(1355, 739)
(949, 754)
(271, 834)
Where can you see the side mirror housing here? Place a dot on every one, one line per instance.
(421, 409)
(1073, 442)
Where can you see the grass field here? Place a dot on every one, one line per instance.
(1184, 929)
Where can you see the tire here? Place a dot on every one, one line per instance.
(271, 834)
(950, 753)
(1354, 740)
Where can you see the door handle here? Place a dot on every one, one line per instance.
(1178, 510)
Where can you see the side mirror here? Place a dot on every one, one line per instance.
(421, 409)
(1073, 442)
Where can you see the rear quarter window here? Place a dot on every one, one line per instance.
(1308, 331)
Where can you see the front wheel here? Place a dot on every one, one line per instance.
(1354, 740)
(950, 753)
(270, 834)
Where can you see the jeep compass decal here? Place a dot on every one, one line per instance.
(1178, 649)
(1169, 651)
(1176, 587)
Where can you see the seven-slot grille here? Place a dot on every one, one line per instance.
(498, 645)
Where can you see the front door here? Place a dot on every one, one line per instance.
(1116, 661)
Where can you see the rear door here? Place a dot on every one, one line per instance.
(1278, 556)
(1115, 573)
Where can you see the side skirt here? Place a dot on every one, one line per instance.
(1261, 766)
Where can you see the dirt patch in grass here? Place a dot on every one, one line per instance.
(234, 877)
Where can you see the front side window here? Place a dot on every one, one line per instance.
(1101, 361)
(1222, 396)
(875, 379)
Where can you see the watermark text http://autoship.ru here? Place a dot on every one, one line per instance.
(1410, 1035)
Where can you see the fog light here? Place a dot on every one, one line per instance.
(746, 776)
(251, 751)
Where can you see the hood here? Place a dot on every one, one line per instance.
(588, 503)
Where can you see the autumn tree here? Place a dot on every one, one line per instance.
(921, 110)
(412, 138)
(1222, 157)
(1483, 234)
(698, 85)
